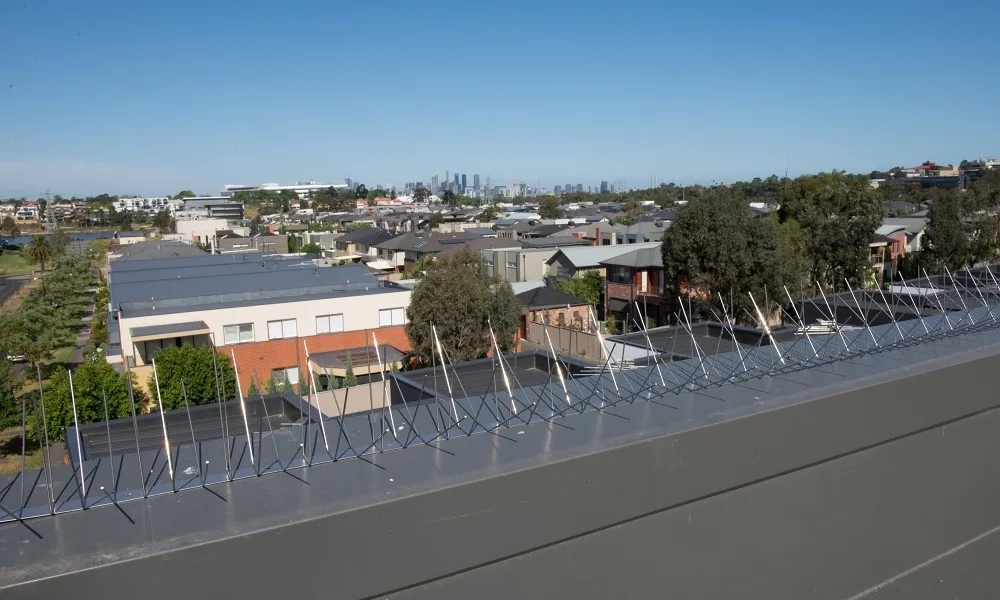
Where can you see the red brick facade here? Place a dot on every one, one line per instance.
(259, 359)
(573, 316)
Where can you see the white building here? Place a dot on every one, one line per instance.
(143, 204)
(302, 188)
(269, 310)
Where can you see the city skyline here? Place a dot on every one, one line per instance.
(119, 101)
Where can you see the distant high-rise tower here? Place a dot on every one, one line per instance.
(475, 182)
(458, 182)
(435, 183)
(557, 190)
(463, 183)
(579, 188)
(604, 187)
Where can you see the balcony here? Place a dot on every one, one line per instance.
(627, 291)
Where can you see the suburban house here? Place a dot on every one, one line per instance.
(887, 246)
(262, 242)
(267, 308)
(577, 261)
(354, 245)
(550, 307)
(515, 264)
(913, 225)
(405, 250)
(637, 278)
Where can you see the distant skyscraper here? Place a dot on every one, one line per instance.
(579, 188)
(475, 182)
(463, 183)
(350, 184)
(568, 188)
(604, 187)
(435, 183)
(457, 180)
(557, 190)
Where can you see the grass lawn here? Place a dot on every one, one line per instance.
(14, 264)
(10, 452)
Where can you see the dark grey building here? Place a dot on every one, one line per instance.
(217, 207)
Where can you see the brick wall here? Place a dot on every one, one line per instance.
(551, 317)
(258, 359)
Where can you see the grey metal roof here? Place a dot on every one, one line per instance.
(554, 242)
(206, 265)
(643, 257)
(141, 251)
(546, 297)
(592, 256)
(167, 329)
(130, 234)
(258, 287)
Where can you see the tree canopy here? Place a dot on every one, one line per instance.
(38, 251)
(460, 299)
(203, 379)
(716, 248)
(91, 380)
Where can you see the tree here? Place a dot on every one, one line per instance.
(9, 226)
(589, 287)
(287, 198)
(420, 195)
(945, 241)
(10, 410)
(349, 379)
(253, 391)
(38, 251)
(548, 208)
(460, 299)
(204, 372)
(839, 214)
(58, 242)
(312, 248)
(489, 213)
(184, 194)
(420, 266)
(163, 221)
(449, 198)
(293, 243)
(361, 191)
(715, 247)
(435, 220)
(91, 381)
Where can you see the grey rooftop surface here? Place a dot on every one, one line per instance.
(150, 250)
(262, 285)
(168, 328)
(592, 256)
(166, 521)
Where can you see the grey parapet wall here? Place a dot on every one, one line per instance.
(459, 491)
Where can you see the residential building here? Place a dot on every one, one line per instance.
(360, 243)
(262, 242)
(577, 261)
(213, 207)
(515, 264)
(405, 250)
(636, 289)
(127, 238)
(914, 227)
(151, 204)
(303, 188)
(199, 231)
(268, 309)
(547, 307)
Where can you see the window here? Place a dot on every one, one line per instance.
(289, 375)
(621, 275)
(391, 316)
(237, 334)
(277, 330)
(329, 323)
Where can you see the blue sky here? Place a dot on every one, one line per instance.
(151, 98)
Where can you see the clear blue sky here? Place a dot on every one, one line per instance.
(151, 98)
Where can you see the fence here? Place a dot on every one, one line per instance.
(573, 342)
